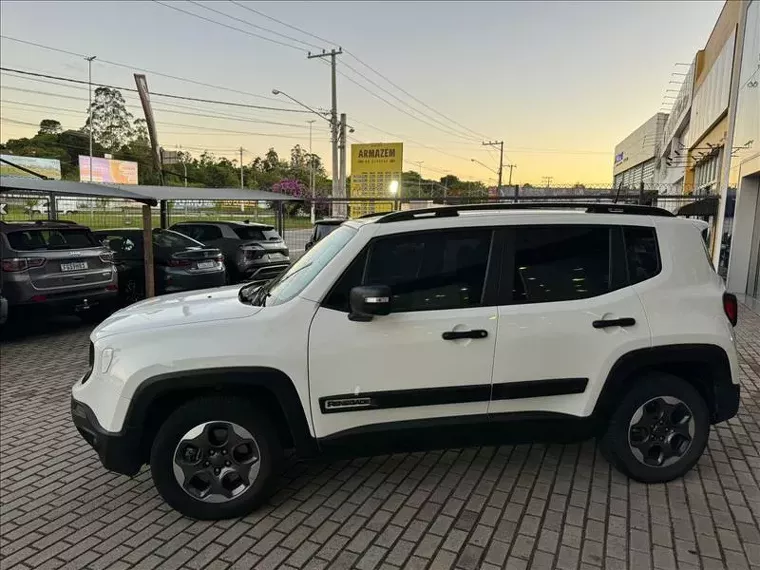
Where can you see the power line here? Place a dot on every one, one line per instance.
(283, 23)
(252, 34)
(135, 68)
(307, 44)
(355, 57)
(161, 109)
(156, 94)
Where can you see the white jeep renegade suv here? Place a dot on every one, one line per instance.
(452, 326)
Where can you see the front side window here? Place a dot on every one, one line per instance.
(425, 271)
(561, 263)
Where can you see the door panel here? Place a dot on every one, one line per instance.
(570, 314)
(558, 342)
(398, 367)
(432, 357)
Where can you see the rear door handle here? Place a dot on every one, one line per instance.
(454, 335)
(624, 322)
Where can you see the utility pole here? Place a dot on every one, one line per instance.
(242, 184)
(419, 182)
(510, 166)
(547, 180)
(500, 145)
(343, 206)
(89, 84)
(333, 117)
(311, 174)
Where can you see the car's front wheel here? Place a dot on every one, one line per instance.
(215, 458)
(658, 431)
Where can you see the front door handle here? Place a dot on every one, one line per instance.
(624, 322)
(454, 335)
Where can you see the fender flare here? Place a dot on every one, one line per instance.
(276, 382)
(713, 380)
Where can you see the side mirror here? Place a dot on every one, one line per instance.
(368, 301)
(308, 245)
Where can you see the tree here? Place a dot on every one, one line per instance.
(111, 122)
(271, 161)
(50, 127)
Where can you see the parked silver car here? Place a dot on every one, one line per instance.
(56, 267)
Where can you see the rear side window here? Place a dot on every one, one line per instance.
(29, 240)
(173, 240)
(642, 253)
(201, 232)
(257, 234)
(561, 263)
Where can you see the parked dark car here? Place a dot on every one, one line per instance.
(322, 228)
(56, 267)
(252, 252)
(180, 262)
(3, 309)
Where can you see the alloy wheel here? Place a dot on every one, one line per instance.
(217, 461)
(661, 431)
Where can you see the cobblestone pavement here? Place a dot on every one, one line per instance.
(515, 507)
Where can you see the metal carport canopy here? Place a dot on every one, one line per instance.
(65, 187)
(190, 193)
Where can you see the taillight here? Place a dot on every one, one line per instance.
(112, 287)
(179, 263)
(731, 307)
(16, 264)
(253, 253)
(106, 257)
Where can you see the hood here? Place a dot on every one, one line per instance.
(177, 309)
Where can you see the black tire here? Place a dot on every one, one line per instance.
(196, 412)
(614, 444)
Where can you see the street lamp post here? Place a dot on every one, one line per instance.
(311, 174)
(89, 86)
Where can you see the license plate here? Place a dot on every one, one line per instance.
(74, 266)
(206, 264)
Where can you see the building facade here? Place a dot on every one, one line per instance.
(672, 150)
(635, 155)
(738, 257)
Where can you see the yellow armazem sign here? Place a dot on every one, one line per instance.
(374, 166)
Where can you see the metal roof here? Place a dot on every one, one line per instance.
(137, 192)
(190, 193)
(66, 187)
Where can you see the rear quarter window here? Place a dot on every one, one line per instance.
(642, 252)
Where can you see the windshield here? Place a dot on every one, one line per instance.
(303, 271)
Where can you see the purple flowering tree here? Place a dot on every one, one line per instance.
(297, 189)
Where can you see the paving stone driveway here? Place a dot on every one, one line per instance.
(514, 507)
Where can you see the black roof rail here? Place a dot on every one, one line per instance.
(590, 207)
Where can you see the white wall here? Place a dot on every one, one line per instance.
(640, 145)
(711, 99)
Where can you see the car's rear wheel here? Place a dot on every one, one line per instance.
(215, 458)
(658, 431)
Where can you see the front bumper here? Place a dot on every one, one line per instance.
(119, 452)
(726, 401)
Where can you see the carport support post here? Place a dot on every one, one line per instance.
(52, 209)
(150, 285)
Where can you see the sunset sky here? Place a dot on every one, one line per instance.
(560, 82)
